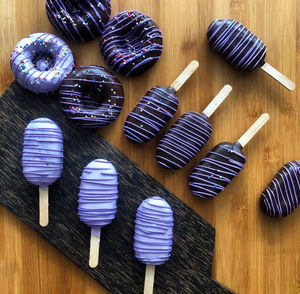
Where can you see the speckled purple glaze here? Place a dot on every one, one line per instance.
(183, 140)
(282, 196)
(236, 44)
(216, 170)
(151, 114)
(92, 96)
(80, 20)
(131, 43)
(153, 237)
(42, 158)
(41, 62)
(98, 193)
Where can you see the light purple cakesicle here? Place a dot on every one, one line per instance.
(42, 158)
(153, 237)
(41, 61)
(98, 201)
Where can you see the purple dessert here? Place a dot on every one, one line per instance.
(80, 20)
(92, 96)
(282, 196)
(41, 62)
(153, 231)
(131, 43)
(42, 158)
(236, 44)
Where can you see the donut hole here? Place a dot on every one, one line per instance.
(92, 95)
(77, 7)
(43, 61)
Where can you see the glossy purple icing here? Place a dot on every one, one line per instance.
(41, 62)
(131, 43)
(80, 20)
(236, 44)
(151, 114)
(98, 193)
(183, 140)
(92, 96)
(282, 196)
(153, 237)
(216, 170)
(42, 158)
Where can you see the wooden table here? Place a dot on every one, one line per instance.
(254, 253)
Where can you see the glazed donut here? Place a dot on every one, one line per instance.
(131, 43)
(92, 96)
(41, 62)
(80, 20)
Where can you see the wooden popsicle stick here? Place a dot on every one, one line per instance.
(278, 76)
(149, 279)
(185, 75)
(251, 132)
(44, 206)
(94, 246)
(216, 102)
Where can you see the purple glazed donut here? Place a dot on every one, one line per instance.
(80, 20)
(92, 96)
(131, 43)
(41, 62)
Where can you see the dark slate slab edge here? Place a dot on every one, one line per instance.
(189, 268)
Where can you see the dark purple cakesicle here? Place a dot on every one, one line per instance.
(80, 20)
(183, 140)
(131, 43)
(282, 196)
(216, 170)
(236, 44)
(92, 96)
(151, 114)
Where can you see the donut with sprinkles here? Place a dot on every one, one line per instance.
(92, 96)
(131, 43)
(80, 20)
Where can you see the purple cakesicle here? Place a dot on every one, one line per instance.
(242, 49)
(42, 158)
(155, 109)
(41, 61)
(282, 196)
(188, 135)
(153, 231)
(223, 163)
(98, 200)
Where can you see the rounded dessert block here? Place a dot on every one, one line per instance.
(151, 114)
(42, 158)
(41, 61)
(82, 20)
(282, 195)
(131, 43)
(98, 193)
(216, 170)
(183, 140)
(153, 231)
(92, 96)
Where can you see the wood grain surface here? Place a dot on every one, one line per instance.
(254, 253)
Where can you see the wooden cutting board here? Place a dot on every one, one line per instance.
(189, 268)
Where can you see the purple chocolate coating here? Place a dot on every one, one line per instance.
(92, 96)
(131, 43)
(151, 114)
(282, 196)
(236, 44)
(41, 62)
(80, 20)
(153, 237)
(216, 170)
(42, 158)
(98, 193)
(183, 140)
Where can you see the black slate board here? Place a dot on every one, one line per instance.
(189, 268)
